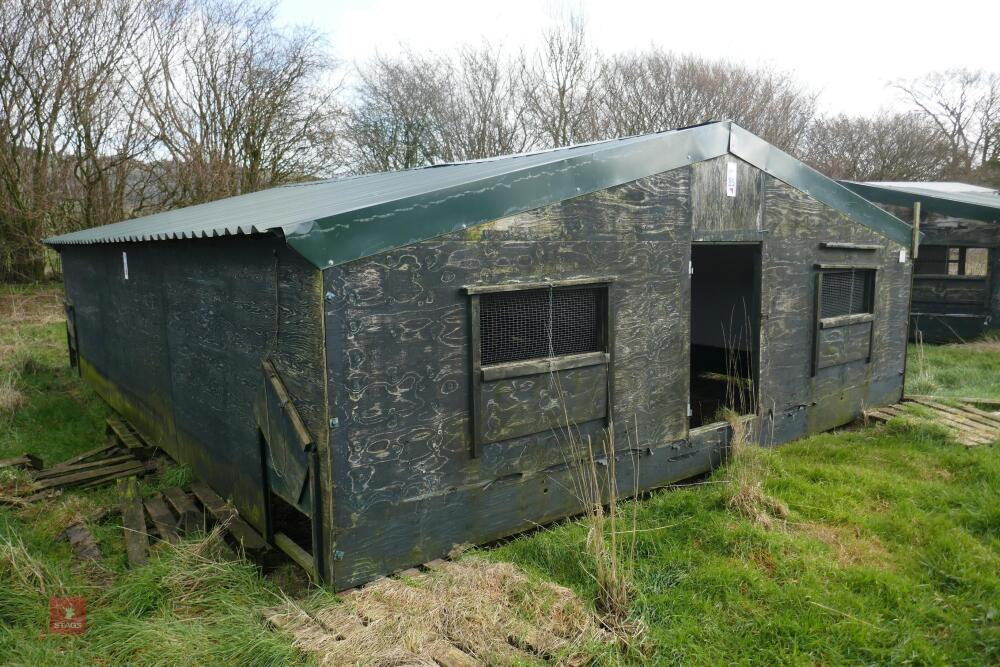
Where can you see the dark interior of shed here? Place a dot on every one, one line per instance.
(725, 288)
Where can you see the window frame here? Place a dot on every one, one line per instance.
(960, 262)
(869, 296)
(536, 366)
(823, 323)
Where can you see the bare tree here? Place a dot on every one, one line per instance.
(394, 121)
(964, 106)
(236, 104)
(656, 90)
(560, 86)
(486, 114)
(106, 123)
(113, 108)
(885, 147)
(413, 110)
(41, 46)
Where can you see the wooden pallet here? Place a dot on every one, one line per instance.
(174, 513)
(124, 454)
(968, 425)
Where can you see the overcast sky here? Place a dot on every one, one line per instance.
(848, 50)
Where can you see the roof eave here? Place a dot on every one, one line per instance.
(929, 202)
(801, 176)
(356, 234)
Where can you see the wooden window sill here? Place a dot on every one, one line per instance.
(845, 320)
(545, 365)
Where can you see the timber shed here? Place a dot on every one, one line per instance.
(956, 267)
(381, 367)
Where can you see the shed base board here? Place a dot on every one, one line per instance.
(421, 530)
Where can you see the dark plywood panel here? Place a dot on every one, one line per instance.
(940, 230)
(841, 345)
(520, 406)
(957, 290)
(932, 298)
(718, 216)
(400, 370)
(177, 347)
(796, 401)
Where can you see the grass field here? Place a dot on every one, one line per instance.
(970, 371)
(890, 552)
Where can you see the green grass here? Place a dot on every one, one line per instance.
(181, 608)
(967, 371)
(891, 552)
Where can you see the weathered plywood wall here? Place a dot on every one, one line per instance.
(721, 214)
(407, 484)
(177, 347)
(956, 308)
(794, 400)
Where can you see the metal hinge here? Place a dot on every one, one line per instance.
(690, 411)
(690, 267)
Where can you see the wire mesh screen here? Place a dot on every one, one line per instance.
(576, 321)
(529, 324)
(846, 292)
(513, 326)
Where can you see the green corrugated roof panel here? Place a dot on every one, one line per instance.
(337, 221)
(959, 200)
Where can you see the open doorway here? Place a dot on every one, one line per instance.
(725, 330)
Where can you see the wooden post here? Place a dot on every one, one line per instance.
(133, 522)
(916, 229)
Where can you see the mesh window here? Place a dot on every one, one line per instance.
(575, 321)
(530, 324)
(847, 292)
(976, 261)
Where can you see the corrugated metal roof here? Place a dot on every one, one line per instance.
(959, 200)
(289, 206)
(336, 221)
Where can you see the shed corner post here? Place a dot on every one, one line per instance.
(916, 230)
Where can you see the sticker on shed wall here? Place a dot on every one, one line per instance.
(125, 263)
(731, 179)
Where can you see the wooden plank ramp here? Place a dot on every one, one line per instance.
(164, 522)
(190, 518)
(227, 515)
(967, 424)
(123, 454)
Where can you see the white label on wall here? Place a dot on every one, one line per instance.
(730, 179)
(902, 257)
(125, 263)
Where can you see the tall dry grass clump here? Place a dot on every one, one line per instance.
(11, 398)
(748, 467)
(20, 571)
(611, 532)
(922, 381)
(746, 460)
(610, 545)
